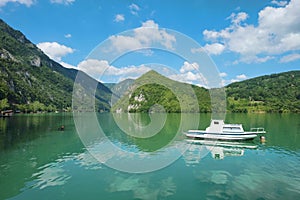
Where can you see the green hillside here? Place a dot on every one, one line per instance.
(271, 93)
(155, 89)
(30, 81)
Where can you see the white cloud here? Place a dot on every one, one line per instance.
(215, 48)
(65, 2)
(28, 3)
(290, 58)
(55, 50)
(190, 77)
(101, 69)
(187, 67)
(119, 18)
(68, 35)
(253, 59)
(223, 74)
(134, 9)
(189, 74)
(142, 37)
(238, 18)
(122, 43)
(239, 78)
(277, 31)
(93, 67)
(279, 3)
(67, 65)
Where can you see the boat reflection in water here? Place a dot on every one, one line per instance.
(218, 149)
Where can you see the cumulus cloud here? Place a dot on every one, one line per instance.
(279, 3)
(223, 74)
(189, 73)
(101, 69)
(55, 50)
(28, 3)
(119, 18)
(190, 77)
(238, 18)
(277, 32)
(214, 49)
(239, 78)
(65, 2)
(142, 37)
(186, 67)
(290, 58)
(134, 9)
(93, 67)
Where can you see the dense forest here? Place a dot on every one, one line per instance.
(271, 93)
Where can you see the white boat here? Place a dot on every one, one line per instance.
(218, 130)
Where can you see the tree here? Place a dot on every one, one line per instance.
(4, 104)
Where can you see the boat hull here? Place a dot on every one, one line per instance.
(222, 136)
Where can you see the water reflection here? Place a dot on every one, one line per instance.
(218, 149)
(38, 161)
(56, 173)
(143, 187)
(51, 174)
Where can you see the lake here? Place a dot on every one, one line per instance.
(144, 161)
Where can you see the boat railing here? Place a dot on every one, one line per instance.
(258, 130)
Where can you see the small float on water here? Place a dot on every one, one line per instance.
(218, 130)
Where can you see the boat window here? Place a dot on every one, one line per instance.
(231, 128)
(216, 122)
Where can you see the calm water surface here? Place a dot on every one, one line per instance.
(39, 162)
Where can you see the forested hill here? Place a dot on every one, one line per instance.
(31, 81)
(154, 89)
(272, 93)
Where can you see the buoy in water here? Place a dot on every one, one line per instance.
(61, 128)
(262, 139)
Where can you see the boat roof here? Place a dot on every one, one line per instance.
(221, 122)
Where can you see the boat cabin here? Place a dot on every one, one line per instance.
(218, 126)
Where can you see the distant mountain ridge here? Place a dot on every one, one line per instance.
(29, 76)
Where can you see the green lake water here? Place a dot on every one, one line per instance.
(37, 161)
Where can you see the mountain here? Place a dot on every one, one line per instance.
(154, 89)
(271, 93)
(31, 81)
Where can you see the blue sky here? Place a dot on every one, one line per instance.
(244, 39)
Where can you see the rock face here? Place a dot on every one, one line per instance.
(4, 54)
(36, 61)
